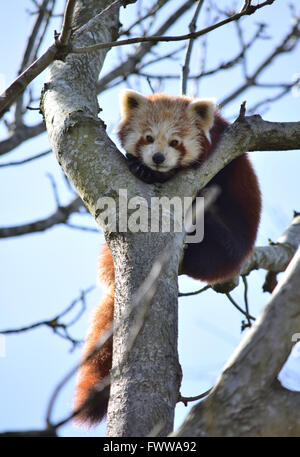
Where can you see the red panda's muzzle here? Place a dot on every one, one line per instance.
(158, 158)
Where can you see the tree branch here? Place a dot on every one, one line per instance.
(39, 65)
(187, 36)
(60, 216)
(129, 66)
(251, 371)
(29, 159)
(28, 54)
(55, 323)
(19, 135)
(277, 256)
(186, 65)
(288, 43)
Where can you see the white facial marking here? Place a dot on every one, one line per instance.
(162, 135)
(152, 131)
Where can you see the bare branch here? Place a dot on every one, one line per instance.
(50, 14)
(246, 303)
(29, 52)
(245, 313)
(288, 43)
(28, 75)
(55, 323)
(29, 433)
(151, 12)
(22, 133)
(186, 400)
(263, 408)
(65, 34)
(277, 256)
(133, 61)
(39, 65)
(29, 159)
(60, 216)
(155, 39)
(34, 34)
(285, 89)
(186, 65)
(98, 18)
(196, 292)
(82, 228)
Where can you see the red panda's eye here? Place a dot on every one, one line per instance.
(149, 138)
(173, 143)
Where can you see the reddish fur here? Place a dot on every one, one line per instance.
(98, 367)
(182, 150)
(231, 227)
(243, 187)
(238, 207)
(140, 143)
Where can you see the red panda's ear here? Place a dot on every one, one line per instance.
(204, 110)
(130, 101)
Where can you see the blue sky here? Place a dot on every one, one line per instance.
(42, 273)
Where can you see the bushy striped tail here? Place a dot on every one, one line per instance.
(97, 367)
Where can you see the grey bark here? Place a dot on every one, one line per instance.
(146, 390)
(247, 400)
(277, 256)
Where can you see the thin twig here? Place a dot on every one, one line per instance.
(238, 307)
(258, 106)
(186, 400)
(29, 159)
(98, 18)
(195, 292)
(151, 12)
(221, 66)
(287, 45)
(243, 47)
(43, 34)
(55, 323)
(186, 66)
(66, 26)
(54, 189)
(249, 323)
(133, 60)
(27, 57)
(82, 228)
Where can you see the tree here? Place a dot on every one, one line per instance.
(96, 168)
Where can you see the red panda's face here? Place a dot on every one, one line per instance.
(165, 132)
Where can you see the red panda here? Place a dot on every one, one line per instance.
(162, 135)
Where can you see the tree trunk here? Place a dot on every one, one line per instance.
(148, 389)
(145, 392)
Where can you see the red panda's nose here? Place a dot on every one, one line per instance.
(158, 158)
